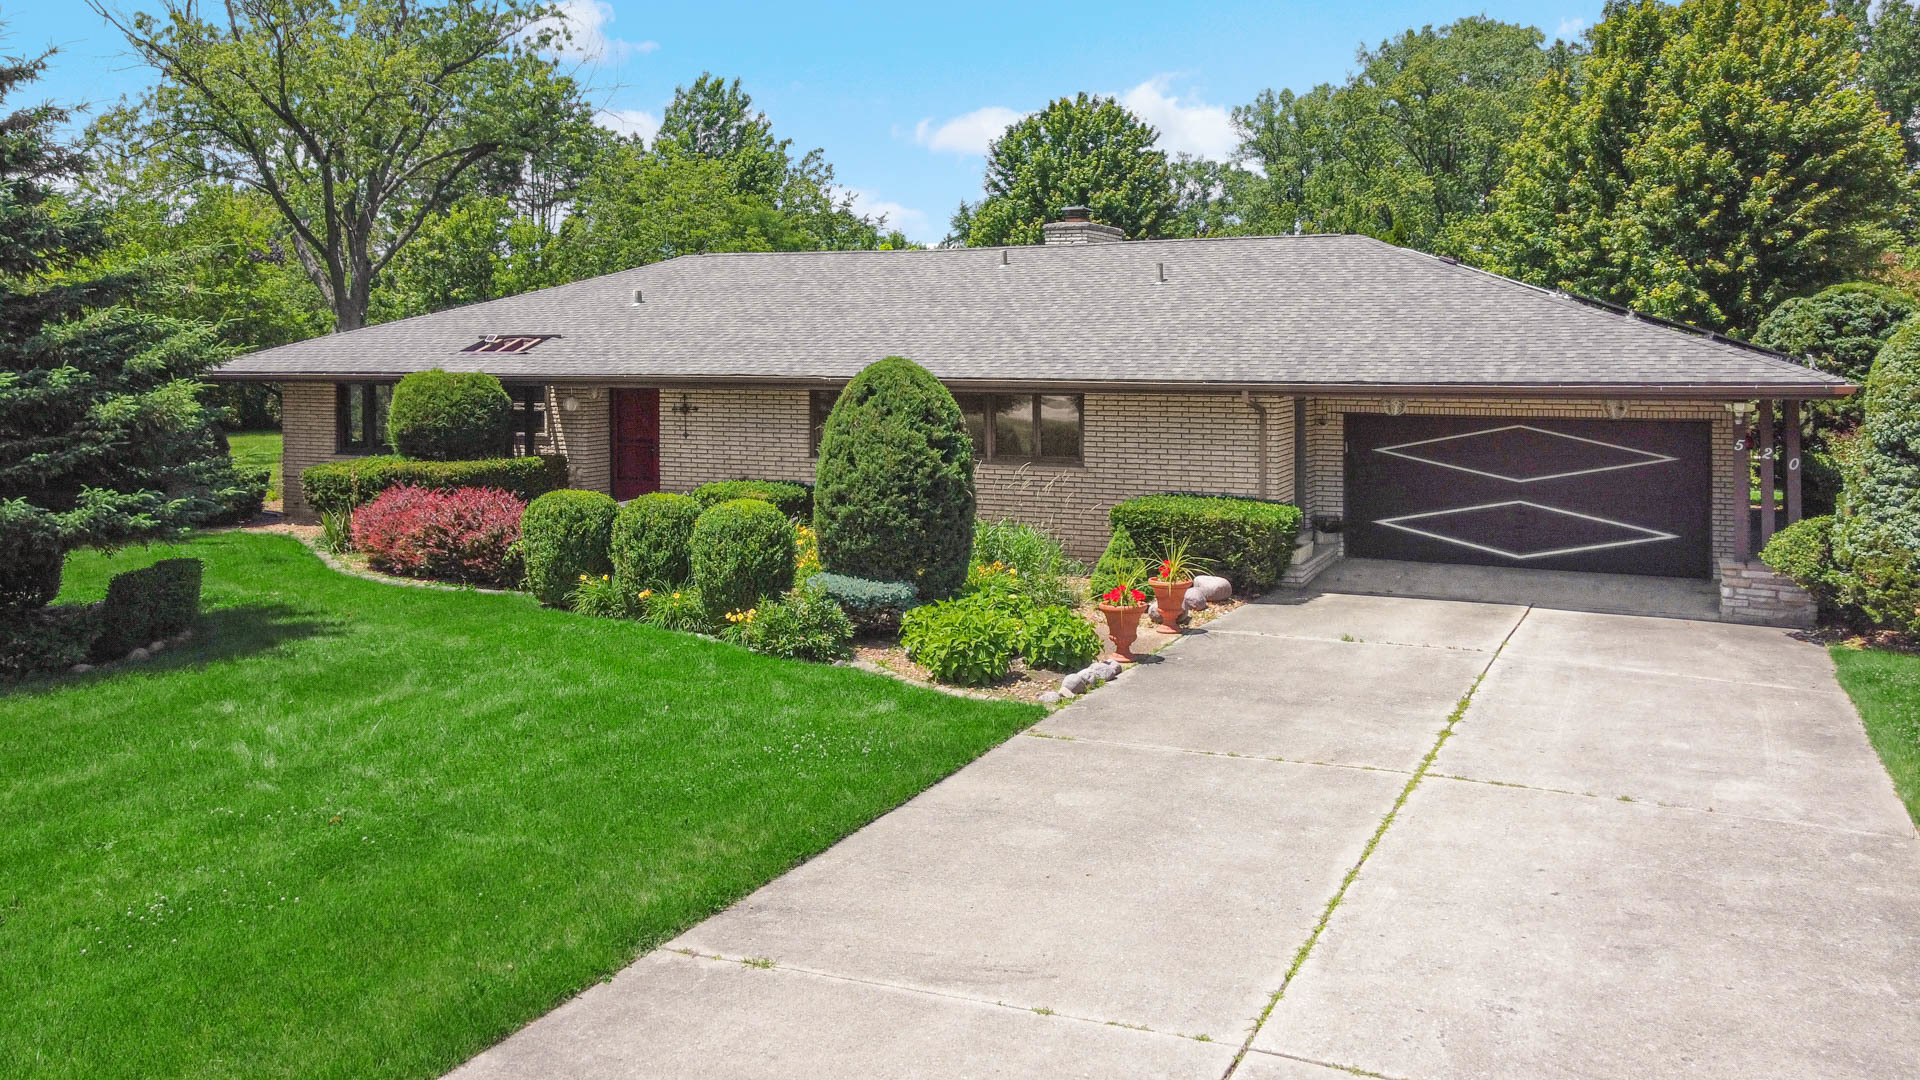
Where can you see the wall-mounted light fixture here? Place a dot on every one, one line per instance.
(1616, 409)
(570, 403)
(1396, 406)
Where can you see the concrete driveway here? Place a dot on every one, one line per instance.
(1284, 851)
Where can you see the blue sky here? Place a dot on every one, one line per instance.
(903, 96)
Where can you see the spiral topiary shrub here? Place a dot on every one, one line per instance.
(563, 536)
(742, 550)
(893, 492)
(652, 538)
(450, 416)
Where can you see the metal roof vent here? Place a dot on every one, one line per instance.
(636, 296)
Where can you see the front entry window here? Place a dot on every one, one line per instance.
(361, 409)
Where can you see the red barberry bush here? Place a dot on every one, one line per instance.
(466, 535)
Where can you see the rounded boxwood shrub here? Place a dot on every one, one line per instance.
(793, 500)
(564, 535)
(893, 492)
(742, 550)
(652, 535)
(450, 416)
(1804, 552)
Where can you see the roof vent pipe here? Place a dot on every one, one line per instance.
(636, 296)
(1163, 272)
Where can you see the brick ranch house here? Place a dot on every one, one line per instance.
(1413, 407)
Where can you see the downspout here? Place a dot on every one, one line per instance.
(1260, 436)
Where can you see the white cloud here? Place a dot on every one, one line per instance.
(1186, 124)
(629, 122)
(908, 220)
(968, 134)
(1572, 28)
(586, 22)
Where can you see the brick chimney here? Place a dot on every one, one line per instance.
(1076, 226)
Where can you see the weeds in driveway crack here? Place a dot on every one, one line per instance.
(1353, 872)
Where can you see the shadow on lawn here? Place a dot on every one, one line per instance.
(222, 634)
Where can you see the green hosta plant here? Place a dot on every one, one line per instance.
(1057, 638)
(961, 642)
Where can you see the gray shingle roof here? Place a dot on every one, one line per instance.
(1321, 312)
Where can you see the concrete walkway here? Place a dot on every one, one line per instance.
(1283, 851)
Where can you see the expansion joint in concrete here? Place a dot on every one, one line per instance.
(1413, 781)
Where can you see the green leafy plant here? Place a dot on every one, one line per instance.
(742, 550)
(1174, 564)
(961, 642)
(1804, 552)
(793, 500)
(1059, 639)
(682, 609)
(336, 531)
(565, 538)
(1041, 563)
(893, 498)
(1248, 541)
(1120, 553)
(872, 605)
(652, 540)
(603, 598)
(335, 486)
(450, 416)
(804, 624)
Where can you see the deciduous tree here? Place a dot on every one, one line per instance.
(1080, 151)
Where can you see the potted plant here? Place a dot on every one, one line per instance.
(1122, 607)
(1171, 584)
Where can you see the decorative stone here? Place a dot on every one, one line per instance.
(1211, 588)
(1106, 669)
(158, 646)
(1194, 601)
(1049, 698)
(1067, 694)
(81, 669)
(1075, 683)
(138, 654)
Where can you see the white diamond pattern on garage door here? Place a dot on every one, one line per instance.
(1610, 496)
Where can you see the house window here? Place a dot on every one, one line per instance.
(361, 412)
(529, 416)
(819, 405)
(1024, 427)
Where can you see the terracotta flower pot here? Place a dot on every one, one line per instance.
(1172, 598)
(1123, 623)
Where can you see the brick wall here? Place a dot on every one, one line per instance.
(308, 437)
(1326, 458)
(1132, 444)
(584, 434)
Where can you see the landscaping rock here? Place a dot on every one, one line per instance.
(1049, 698)
(81, 669)
(1107, 669)
(138, 654)
(1194, 601)
(1210, 588)
(1075, 683)
(158, 646)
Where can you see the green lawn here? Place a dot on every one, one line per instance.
(255, 450)
(1885, 687)
(357, 830)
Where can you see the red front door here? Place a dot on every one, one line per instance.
(636, 442)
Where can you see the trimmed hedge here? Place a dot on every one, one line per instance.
(793, 500)
(146, 605)
(564, 535)
(450, 416)
(872, 605)
(652, 538)
(742, 550)
(893, 493)
(47, 639)
(1247, 541)
(336, 486)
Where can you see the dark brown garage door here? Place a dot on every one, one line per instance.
(1621, 497)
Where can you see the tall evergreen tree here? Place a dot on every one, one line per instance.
(103, 439)
(1705, 162)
